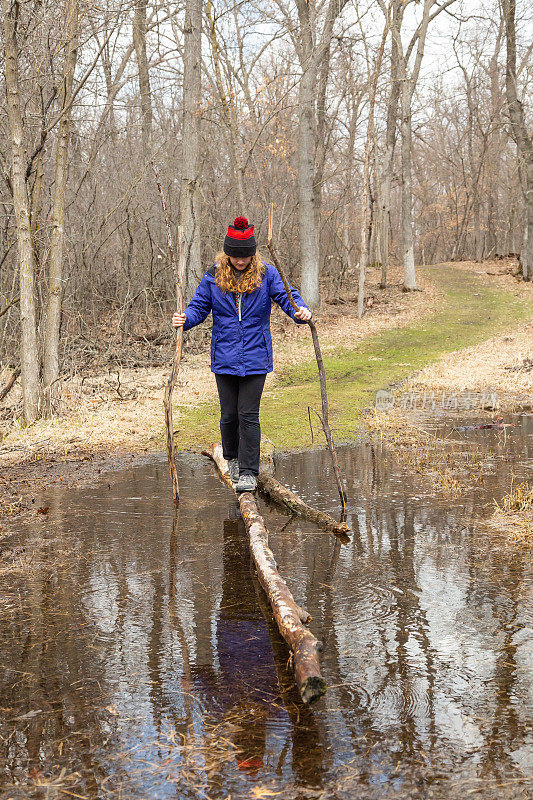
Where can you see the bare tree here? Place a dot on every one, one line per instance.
(519, 132)
(55, 269)
(190, 148)
(409, 79)
(365, 212)
(384, 179)
(228, 110)
(312, 43)
(139, 42)
(29, 356)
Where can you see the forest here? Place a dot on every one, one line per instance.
(385, 132)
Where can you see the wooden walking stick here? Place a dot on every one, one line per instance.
(324, 419)
(167, 399)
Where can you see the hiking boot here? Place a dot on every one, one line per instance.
(247, 483)
(233, 465)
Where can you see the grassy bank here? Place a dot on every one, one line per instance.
(472, 310)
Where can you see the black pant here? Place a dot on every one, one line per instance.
(239, 419)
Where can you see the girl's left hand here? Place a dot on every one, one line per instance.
(303, 313)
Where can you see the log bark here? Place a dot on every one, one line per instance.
(279, 493)
(288, 614)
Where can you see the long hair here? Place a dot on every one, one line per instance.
(251, 279)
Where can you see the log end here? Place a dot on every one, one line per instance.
(312, 689)
(342, 527)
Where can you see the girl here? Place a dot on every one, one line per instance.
(238, 289)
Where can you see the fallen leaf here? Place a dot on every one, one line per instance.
(43, 510)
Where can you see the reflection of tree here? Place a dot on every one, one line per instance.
(56, 679)
(410, 620)
(388, 556)
(353, 702)
(183, 726)
(306, 744)
(507, 731)
(243, 689)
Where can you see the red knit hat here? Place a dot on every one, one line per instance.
(240, 239)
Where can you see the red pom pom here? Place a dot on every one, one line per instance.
(241, 223)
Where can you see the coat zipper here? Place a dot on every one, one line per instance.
(239, 309)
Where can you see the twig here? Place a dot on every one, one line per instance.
(9, 385)
(6, 308)
(167, 400)
(324, 419)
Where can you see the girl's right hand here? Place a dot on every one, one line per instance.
(178, 320)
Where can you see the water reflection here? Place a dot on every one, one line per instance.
(140, 659)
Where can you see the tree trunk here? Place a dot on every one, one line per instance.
(139, 42)
(409, 82)
(478, 235)
(384, 214)
(55, 271)
(523, 262)
(306, 189)
(409, 279)
(365, 212)
(321, 138)
(519, 132)
(390, 139)
(29, 357)
(190, 163)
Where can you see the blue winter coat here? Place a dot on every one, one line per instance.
(241, 343)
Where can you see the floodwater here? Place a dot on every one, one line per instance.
(139, 659)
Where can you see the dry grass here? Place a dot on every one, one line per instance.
(452, 468)
(114, 411)
(519, 498)
(514, 516)
(500, 364)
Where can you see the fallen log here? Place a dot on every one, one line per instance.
(279, 493)
(288, 614)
